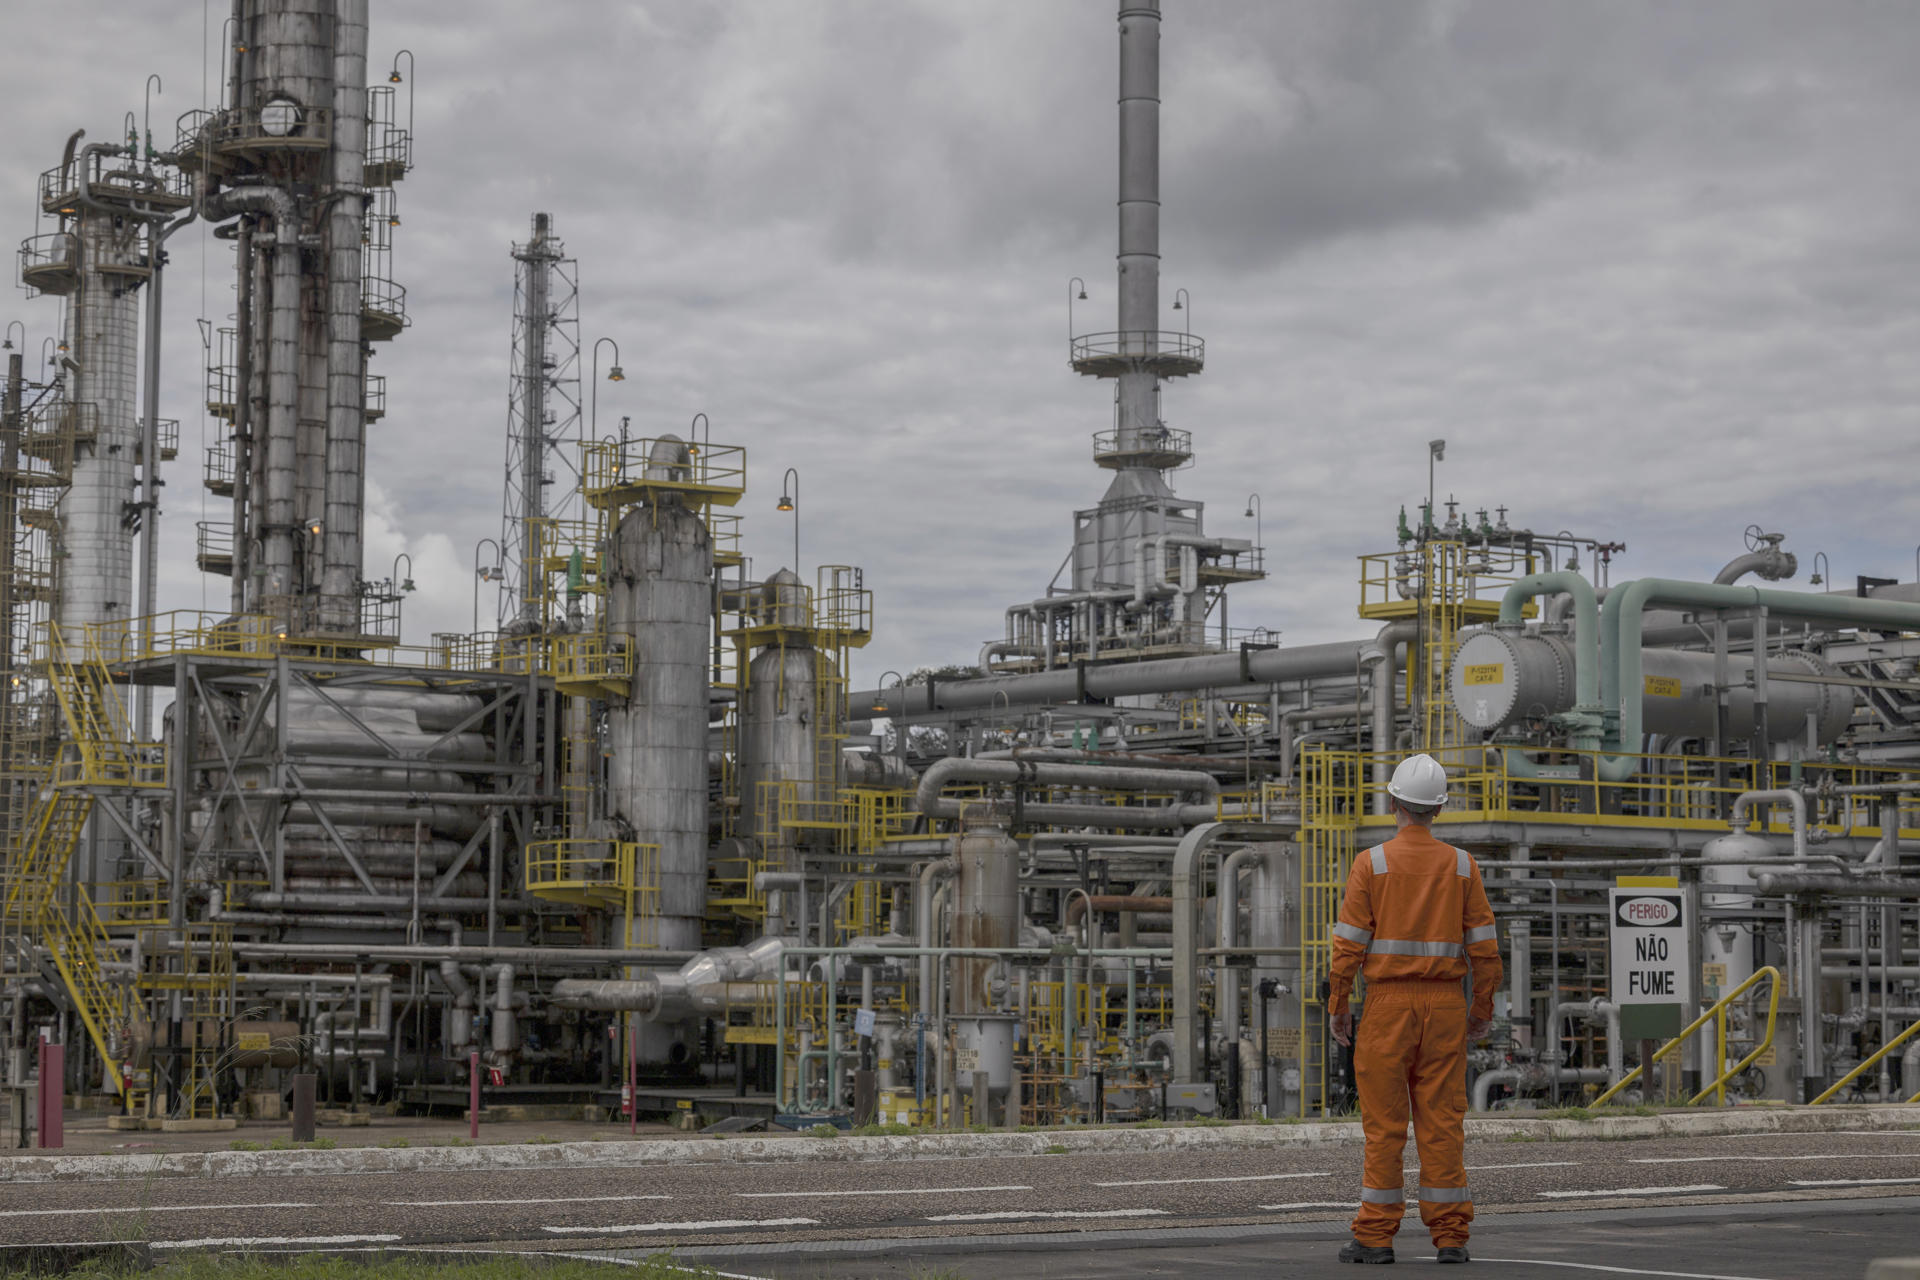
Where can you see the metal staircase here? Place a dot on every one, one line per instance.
(54, 923)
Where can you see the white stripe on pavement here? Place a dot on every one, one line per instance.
(1634, 1191)
(1012, 1214)
(1869, 1155)
(1618, 1271)
(148, 1208)
(1312, 1204)
(1531, 1164)
(1853, 1182)
(1181, 1182)
(883, 1191)
(251, 1241)
(436, 1204)
(717, 1224)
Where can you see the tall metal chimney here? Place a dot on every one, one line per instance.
(1139, 256)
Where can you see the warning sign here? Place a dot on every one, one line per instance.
(1486, 673)
(1283, 1042)
(1651, 952)
(1664, 687)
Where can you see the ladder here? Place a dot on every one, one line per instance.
(1328, 810)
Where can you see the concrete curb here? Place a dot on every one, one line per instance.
(933, 1146)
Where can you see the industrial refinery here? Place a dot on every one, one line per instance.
(642, 844)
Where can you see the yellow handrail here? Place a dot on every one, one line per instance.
(1717, 1015)
(1885, 1049)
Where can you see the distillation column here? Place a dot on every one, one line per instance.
(780, 723)
(95, 553)
(1139, 256)
(660, 573)
(345, 451)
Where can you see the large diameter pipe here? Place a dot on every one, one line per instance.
(1113, 680)
(960, 769)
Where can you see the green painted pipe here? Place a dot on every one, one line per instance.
(1586, 626)
(1622, 682)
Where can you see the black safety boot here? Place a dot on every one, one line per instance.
(1452, 1253)
(1354, 1251)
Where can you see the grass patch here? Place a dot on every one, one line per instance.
(823, 1131)
(244, 1144)
(1056, 1150)
(1150, 1124)
(1211, 1122)
(460, 1142)
(542, 1139)
(919, 1272)
(1522, 1137)
(883, 1131)
(280, 1144)
(323, 1144)
(392, 1143)
(317, 1267)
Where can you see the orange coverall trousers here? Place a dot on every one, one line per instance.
(1411, 1053)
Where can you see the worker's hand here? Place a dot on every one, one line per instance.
(1478, 1028)
(1343, 1029)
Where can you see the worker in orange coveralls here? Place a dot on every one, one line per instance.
(1415, 915)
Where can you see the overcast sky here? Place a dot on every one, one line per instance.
(1652, 270)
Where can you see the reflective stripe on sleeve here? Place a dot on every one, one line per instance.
(1393, 947)
(1352, 933)
(1383, 1195)
(1379, 855)
(1445, 1195)
(1483, 933)
(1463, 863)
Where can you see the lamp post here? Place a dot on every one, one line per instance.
(615, 374)
(393, 77)
(1075, 283)
(11, 326)
(489, 573)
(695, 441)
(1436, 452)
(1820, 558)
(1253, 514)
(790, 501)
(1183, 302)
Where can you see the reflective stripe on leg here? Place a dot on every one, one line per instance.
(1383, 1195)
(1446, 1195)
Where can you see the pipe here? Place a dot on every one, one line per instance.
(958, 768)
(283, 386)
(460, 1014)
(1586, 720)
(784, 882)
(1773, 564)
(940, 869)
(1741, 818)
(1226, 983)
(1769, 882)
(1108, 681)
(1308, 715)
(1383, 687)
(1587, 1011)
(1530, 1078)
(505, 1033)
(1113, 902)
(704, 984)
(1622, 618)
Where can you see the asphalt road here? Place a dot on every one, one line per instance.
(1764, 1207)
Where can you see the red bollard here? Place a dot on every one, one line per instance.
(473, 1095)
(633, 1079)
(52, 1095)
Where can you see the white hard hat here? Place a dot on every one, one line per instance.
(1419, 781)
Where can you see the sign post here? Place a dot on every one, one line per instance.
(1650, 974)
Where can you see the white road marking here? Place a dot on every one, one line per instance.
(1618, 1271)
(149, 1208)
(435, 1204)
(251, 1241)
(1853, 1182)
(1012, 1214)
(717, 1224)
(1312, 1204)
(1181, 1182)
(884, 1191)
(1531, 1164)
(621, 1262)
(1870, 1155)
(1634, 1191)
(1833, 1133)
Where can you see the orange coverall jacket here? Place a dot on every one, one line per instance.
(1428, 918)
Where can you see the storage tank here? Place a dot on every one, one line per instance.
(1502, 677)
(986, 910)
(659, 567)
